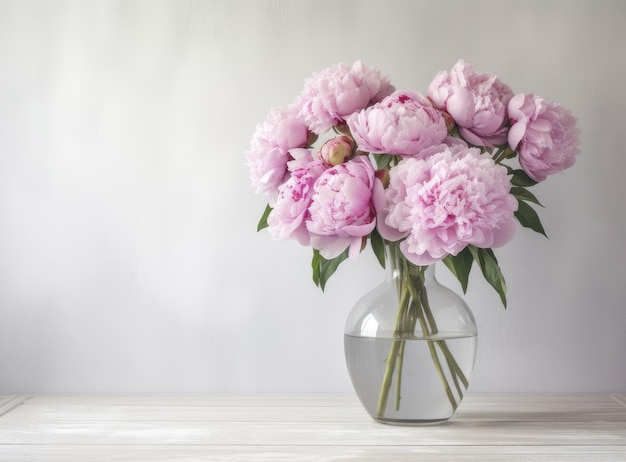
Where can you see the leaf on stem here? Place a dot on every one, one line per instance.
(490, 269)
(523, 194)
(520, 178)
(315, 264)
(460, 265)
(528, 218)
(323, 269)
(383, 160)
(263, 221)
(378, 246)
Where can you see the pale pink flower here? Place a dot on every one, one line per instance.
(336, 150)
(445, 202)
(333, 94)
(287, 218)
(544, 134)
(269, 149)
(341, 211)
(476, 102)
(299, 158)
(404, 123)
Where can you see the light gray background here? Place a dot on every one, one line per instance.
(129, 260)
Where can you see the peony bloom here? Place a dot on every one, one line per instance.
(286, 219)
(476, 102)
(336, 92)
(442, 204)
(269, 149)
(341, 211)
(336, 151)
(404, 123)
(544, 134)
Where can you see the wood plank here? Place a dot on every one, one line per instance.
(10, 402)
(313, 433)
(225, 400)
(619, 398)
(309, 408)
(121, 453)
(234, 400)
(70, 428)
(173, 413)
(540, 408)
(317, 409)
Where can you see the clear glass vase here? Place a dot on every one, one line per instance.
(410, 345)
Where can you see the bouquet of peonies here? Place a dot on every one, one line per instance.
(428, 172)
(420, 178)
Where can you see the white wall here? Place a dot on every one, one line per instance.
(129, 260)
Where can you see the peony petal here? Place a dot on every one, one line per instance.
(472, 138)
(359, 230)
(355, 247)
(423, 259)
(380, 202)
(461, 107)
(352, 100)
(504, 233)
(516, 133)
(330, 246)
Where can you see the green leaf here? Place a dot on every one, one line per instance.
(315, 264)
(378, 246)
(383, 160)
(263, 221)
(323, 269)
(523, 194)
(328, 267)
(520, 178)
(460, 265)
(490, 269)
(528, 218)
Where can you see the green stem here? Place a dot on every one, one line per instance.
(459, 390)
(413, 307)
(504, 152)
(453, 366)
(442, 376)
(396, 346)
(423, 297)
(386, 384)
(424, 314)
(399, 375)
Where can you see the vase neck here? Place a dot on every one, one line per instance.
(396, 263)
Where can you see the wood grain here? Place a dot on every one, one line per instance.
(298, 428)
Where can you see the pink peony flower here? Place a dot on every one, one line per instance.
(404, 123)
(336, 92)
(341, 211)
(442, 204)
(269, 149)
(286, 219)
(299, 158)
(544, 134)
(476, 102)
(336, 150)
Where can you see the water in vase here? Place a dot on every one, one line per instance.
(422, 393)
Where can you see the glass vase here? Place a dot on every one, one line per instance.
(410, 345)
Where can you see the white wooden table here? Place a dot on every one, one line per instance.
(306, 428)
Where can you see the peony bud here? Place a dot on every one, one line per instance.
(337, 150)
